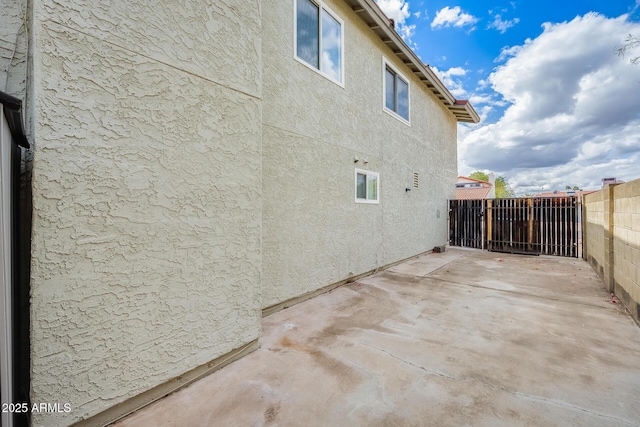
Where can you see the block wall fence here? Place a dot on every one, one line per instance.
(611, 240)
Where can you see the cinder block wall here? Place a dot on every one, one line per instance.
(612, 240)
(594, 230)
(626, 244)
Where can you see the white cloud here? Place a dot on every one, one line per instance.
(449, 79)
(398, 10)
(478, 99)
(508, 52)
(501, 25)
(406, 32)
(452, 17)
(573, 115)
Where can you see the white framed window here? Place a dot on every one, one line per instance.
(367, 186)
(319, 39)
(396, 92)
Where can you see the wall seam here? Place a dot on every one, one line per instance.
(93, 36)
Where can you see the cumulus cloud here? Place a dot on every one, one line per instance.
(406, 32)
(484, 102)
(398, 10)
(451, 80)
(501, 25)
(508, 52)
(452, 17)
(573, 115)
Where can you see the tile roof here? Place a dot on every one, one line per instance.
(466, 178)
(472, 193)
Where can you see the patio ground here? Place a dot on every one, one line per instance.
(460, 338)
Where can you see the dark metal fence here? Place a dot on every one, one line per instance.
(466, 228)
(549, 226)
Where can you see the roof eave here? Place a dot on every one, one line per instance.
(373, 16)
(465, 112)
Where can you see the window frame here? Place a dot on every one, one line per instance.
(398, 75)
(321, 7)
(366, 173)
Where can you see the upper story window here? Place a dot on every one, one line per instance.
(396, 92)
(319, 38)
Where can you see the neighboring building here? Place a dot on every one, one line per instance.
(609, 181)
(566, 193)
(197, 164)
(474, 189)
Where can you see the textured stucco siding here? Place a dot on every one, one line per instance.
(13, 47)
(147, 195)
(314, 234)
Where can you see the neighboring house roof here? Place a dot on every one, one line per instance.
(476, 192)
(472, 193)
(467, 179)
(379, 23)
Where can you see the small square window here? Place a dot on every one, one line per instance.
(319, 38)
(396, 93)
(367, 186)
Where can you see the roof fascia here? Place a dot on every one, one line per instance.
(378, 22)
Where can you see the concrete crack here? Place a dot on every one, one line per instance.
(473, 285)
(542, 399)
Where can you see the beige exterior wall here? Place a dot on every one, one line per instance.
(147, 195)
(594, 238)
(14, 22)
(314, 234)
(189, 172)
(626, 243)
(612, 240)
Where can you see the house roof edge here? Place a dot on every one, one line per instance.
(380, 24)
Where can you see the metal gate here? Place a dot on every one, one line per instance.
(466, 227)
(540, 226)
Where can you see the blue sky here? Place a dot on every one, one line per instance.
(558, 106)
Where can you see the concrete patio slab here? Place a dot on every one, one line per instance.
(460, 338)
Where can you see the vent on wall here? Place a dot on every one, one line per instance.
(415, 180)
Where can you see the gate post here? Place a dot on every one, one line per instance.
(487, 204)
(608, 238)
(530, 239)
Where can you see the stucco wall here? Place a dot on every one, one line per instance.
(314, 234)
(612, 240)
(13, 47)
(147, 195)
